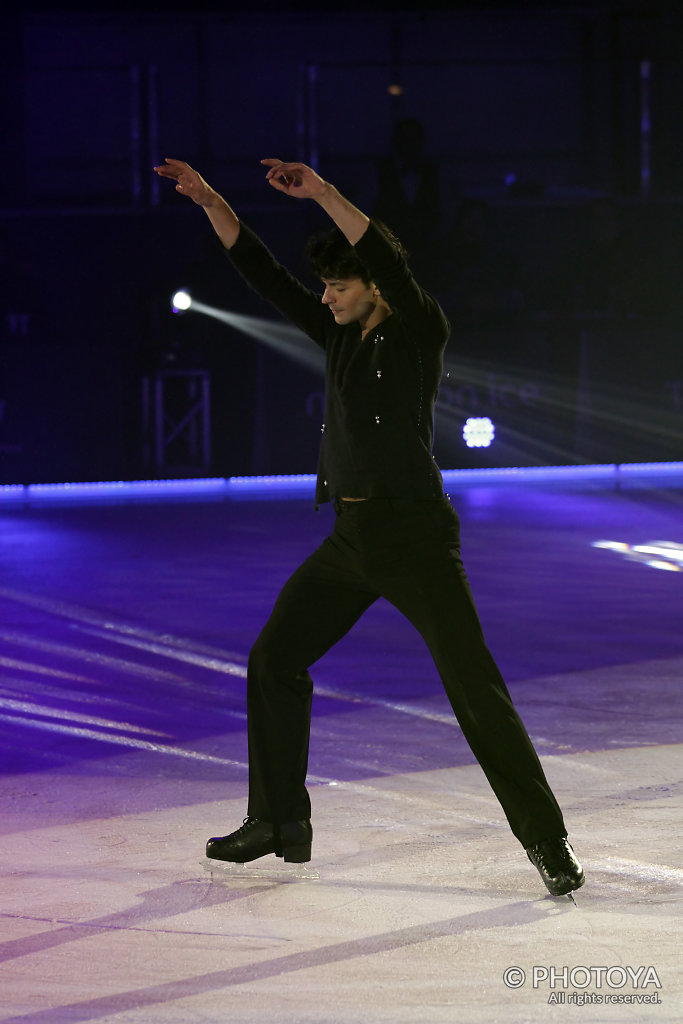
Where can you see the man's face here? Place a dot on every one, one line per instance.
(350, 299)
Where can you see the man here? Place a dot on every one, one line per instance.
(396, 535)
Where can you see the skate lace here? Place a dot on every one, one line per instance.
(552, 861)
(246, 825)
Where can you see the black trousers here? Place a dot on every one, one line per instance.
(409, 553)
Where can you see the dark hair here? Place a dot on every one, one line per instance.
(332, 255)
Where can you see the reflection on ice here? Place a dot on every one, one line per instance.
(658, 554)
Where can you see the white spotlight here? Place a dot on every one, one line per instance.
(181, 301)
(478, 432)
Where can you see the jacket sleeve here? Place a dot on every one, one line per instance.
(298, 304)
(417, 309)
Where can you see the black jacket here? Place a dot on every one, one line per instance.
(378, 431)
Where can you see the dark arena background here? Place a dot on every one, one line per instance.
(159, 427)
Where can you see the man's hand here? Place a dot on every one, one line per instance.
(188, 182)
(294, 179)
(302, 182)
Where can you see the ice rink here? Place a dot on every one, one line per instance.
(125, 631)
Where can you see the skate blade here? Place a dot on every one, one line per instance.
(272, 868)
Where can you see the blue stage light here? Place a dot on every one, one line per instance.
(618, 475)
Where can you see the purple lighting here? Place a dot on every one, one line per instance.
(649, 474)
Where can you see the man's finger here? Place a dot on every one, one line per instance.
(290, 168)
(288, 173)
(281, 185)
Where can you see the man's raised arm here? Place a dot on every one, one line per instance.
(294, 179)
(189, 183)
(302, 182)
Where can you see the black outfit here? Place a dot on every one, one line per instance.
(401, 544)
